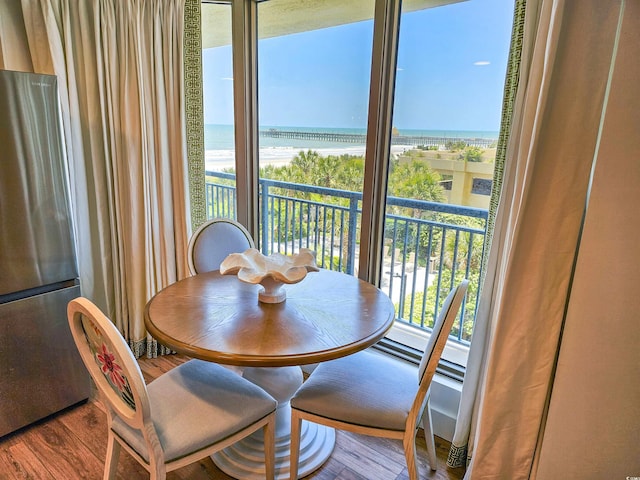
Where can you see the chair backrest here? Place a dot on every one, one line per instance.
(214, 241)
(110, 363)
(440, 333)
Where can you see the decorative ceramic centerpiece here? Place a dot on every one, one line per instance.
(270, 271)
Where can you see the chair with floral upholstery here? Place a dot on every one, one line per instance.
(182, 416)
(372, 394)
(214, 241)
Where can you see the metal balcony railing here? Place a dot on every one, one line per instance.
(428, 246)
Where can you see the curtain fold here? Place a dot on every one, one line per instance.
(565, 61)
(459, 453)
(121, 80)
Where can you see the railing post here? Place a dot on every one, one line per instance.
(264, 208)
(353, 225)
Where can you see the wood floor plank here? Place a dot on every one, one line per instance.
(330, 470)
(18, 461)
(202, 470)
(62, 453)
(348, 474)
(89, 424)
(361, 454)
(387, 448)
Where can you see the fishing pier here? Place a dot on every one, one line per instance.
(357, 138)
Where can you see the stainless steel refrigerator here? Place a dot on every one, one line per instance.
(40, 369)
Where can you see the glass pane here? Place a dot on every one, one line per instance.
(447, 111)
(314, 64)
(217, 71)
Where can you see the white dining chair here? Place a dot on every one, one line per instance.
(186, 414)
(214, 241)
(372, 394)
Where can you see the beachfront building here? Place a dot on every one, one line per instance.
(465, 183)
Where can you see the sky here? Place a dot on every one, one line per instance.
(450, 72)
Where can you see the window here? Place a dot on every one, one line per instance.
(481, 186)
(314, 66)
(321, 124)
(448, 96)
(217, 73)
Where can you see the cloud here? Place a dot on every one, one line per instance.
(481, 63)
(226, 78)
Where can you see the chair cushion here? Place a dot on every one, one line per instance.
(196, 405)
(366, 388)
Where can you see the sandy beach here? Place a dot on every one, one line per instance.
(217, 160)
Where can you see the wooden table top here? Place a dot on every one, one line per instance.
(219, 318)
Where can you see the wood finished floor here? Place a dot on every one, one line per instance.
(71, 445)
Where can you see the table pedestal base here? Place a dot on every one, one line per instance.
(244, 460)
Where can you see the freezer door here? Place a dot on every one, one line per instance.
(40, 368)
(36, 237)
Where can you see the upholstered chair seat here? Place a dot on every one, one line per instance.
(374, 394)
(196, 405)
(383, 398)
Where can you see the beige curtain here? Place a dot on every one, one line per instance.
(459, 452)
(566, 57)
(120, 72)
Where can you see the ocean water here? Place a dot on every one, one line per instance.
(220, 153)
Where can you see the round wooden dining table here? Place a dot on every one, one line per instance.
(219, 318)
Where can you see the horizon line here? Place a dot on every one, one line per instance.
(360, 128)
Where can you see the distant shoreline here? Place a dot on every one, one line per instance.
(217, 160)
(279, 150)
(436, 132)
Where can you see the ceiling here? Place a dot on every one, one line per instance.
(283, 17)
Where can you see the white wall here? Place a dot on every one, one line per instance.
(593, 427)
